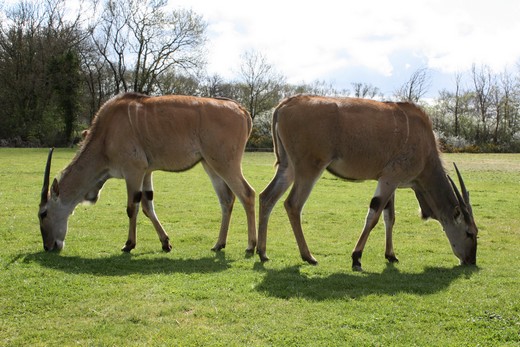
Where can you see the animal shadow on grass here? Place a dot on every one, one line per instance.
(291, 283)
(126, 264)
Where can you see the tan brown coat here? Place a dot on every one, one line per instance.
(134, 135)
(359, 139)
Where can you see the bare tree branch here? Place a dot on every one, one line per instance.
(262, 84)
(139, 40)
(416, 86)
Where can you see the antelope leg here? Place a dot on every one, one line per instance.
(226, 199)
(294, 204)
(383, 194)
(246, 195)
(231, 174)
(283, 178)
(389, 218)
(135, 194)
(149, 211)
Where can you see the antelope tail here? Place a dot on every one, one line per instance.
(278, 148)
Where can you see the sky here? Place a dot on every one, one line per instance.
(376, 42)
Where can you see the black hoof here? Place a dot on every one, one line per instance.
(356, 260)
(311, 260)
(357, 268)
(166, 246)
(263, 256)
(391, 258)
(128, 247)
(250, 253)
(217, 247)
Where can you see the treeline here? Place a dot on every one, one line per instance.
(481, 113)
(58, 65)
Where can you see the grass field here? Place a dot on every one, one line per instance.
(92, 294)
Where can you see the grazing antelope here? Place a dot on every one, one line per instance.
(359, 139)
(134, 135)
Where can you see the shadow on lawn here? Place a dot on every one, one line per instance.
(291, 283)
(126, 264)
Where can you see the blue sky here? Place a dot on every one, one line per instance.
(378, 42)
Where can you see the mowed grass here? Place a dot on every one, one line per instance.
(93, 294)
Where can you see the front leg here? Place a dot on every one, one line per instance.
(293, 206)
(374, 212)
(149, 211)
(389, 218)
(268, 198)
(384, 193)
(356, 260)
(132, 211)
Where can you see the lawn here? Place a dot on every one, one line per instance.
(93, 294)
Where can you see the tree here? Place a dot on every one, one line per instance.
(508, 105)
(64, 74)
(96, 78)
(215, 86)
(457, 106)
(483, 117)
(454, 104)
(171, 82)
(365, 90)
(262, 86)
(33, 36)
(139, 41)
(416, 86)
(317, 87)
(483, 84)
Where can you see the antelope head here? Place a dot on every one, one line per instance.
(461, 229)
(52, 213)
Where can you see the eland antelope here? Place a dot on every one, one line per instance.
(133, 135)
(359, 139)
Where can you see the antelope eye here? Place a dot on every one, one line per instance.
(43, 214)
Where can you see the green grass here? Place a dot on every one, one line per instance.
(92, 294)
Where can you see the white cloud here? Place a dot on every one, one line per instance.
(307, 40)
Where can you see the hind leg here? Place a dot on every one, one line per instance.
(283, 178)
(246, 195)
(226, 199)
(231, 173)
(306, 177)
(149, 211)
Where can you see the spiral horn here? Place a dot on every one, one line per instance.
(46, 179)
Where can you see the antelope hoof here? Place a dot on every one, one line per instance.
(310, 260)
(356, 261)
(218, 247)
(166, 246)
(391, 258)
(263, 256)
(250, 251)
(357, 268)
(129, 245)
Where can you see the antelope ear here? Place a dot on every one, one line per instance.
(55, 189)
